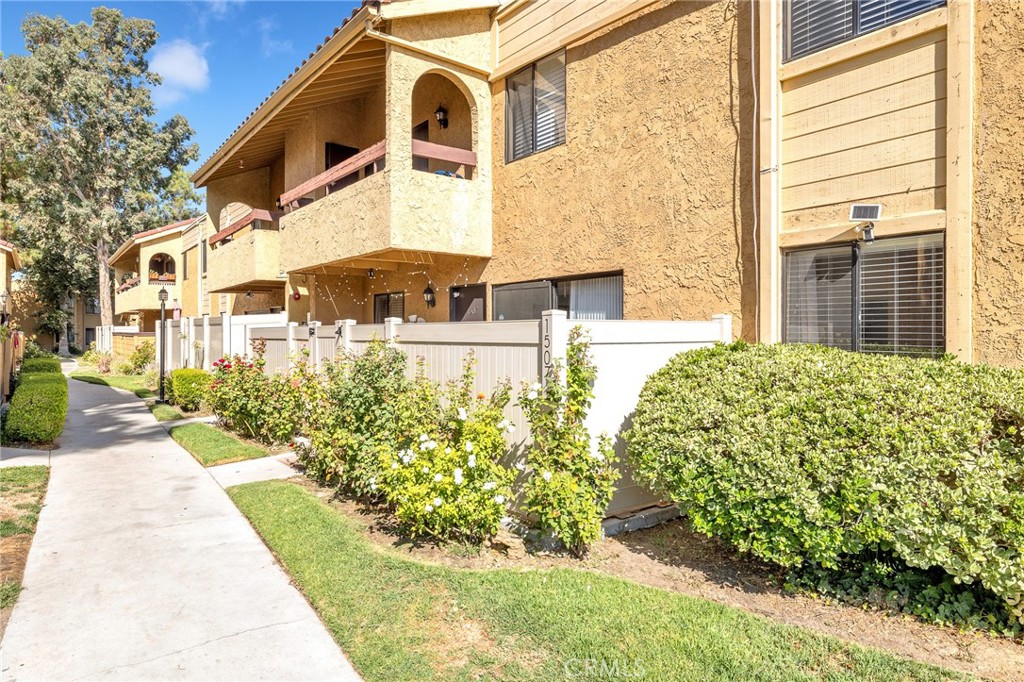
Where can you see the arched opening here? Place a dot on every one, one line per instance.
(161, 268)
(444, 119)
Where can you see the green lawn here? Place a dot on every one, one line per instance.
(400, 619)
(129, 382)
(212, 446)
(21, 490)
(164, 412)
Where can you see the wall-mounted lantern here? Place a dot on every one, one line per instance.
(441, 114)
(429, 298)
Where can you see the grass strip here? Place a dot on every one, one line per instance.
(164, 412)
(211, 446)
(400, 619)
(129, 382)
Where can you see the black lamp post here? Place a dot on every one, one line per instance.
(163, 334)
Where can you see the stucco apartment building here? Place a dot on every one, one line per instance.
(467, 160)
(10, 261)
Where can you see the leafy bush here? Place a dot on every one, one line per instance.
(814, 457)
(187, 388)
(34, 350)
(352, 416)
(570, 483)
(265, 408)
(102, 360)
(139, 361)
(447, 481)
(34, 365)
(38, 408)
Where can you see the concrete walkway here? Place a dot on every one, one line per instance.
(143, 569)
(251, 470)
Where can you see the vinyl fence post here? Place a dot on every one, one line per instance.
(207, 362)
(554, 342)
(725, 325)
(314, 344)
(343, 330)
(160, 331)
(391, 325)
(225, 335)
(290, 335)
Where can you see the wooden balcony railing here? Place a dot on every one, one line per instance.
(167, 278)
(246, 220)
(373, 157)
(129, 284)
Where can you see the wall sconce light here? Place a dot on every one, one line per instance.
(441, 114)
(429, 298)
(371, 273)
(3, 301)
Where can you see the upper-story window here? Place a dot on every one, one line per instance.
(813, 25)
(535, 107)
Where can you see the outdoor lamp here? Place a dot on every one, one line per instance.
(429, 298)
(441, 114)
(162, 295)
(868, 231)
(3, 301)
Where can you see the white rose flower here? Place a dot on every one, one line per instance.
(437, 478)
(469, 446)
(437, 501)
(536, 386)
(424, 437)
(500, 499)
(373, 480)
(431, 444)
(472, 461)
(405, 459)
(520, 466)
(489, 485)
(373, 486)
(532, 395)
(426, 469)
(447, 451)
(429, 508)
(458, 477)
(303, 441)
(394, 465)
(546, 475)
(462, 414)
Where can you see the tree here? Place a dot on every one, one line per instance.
(178, 200)
(76, 118)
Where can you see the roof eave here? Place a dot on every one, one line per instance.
(349, 33)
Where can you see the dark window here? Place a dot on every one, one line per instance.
(92, 306)
(584, 298)
(335, 154)
(535, 108)
(883, 297)
(388, 305)
(813, 25)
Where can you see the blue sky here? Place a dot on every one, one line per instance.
(219, 58)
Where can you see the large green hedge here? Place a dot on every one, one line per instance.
(808, 455)
(187, 388)
(31, 365)
(38, 406)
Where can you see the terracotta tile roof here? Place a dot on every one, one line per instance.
(158, 230)
(7, 245)
(365, 3)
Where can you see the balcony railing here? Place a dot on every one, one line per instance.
(129, 284)
(162, 279)
(253, 217)
(369, 161)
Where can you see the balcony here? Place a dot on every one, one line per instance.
(245, 256)
(361, 210)
(135, 294)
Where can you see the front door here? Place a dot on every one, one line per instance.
(469, 303)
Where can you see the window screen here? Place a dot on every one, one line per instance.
(813, 25)
(883, 297)
(523, 301)
(535, 107)
(388, 305)
(819, 297)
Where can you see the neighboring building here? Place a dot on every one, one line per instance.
(83, 325)
(146, 263)
(10, 260)
(643, 160)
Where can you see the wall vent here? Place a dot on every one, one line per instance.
(861, 213)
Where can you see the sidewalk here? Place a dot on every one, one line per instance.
(142, 568)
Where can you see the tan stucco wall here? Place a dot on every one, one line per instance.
(457, 35)
(144, 296)
(998, 184)
(251, 187)
(189, 272)
(249, 259)
(655, 176)
(6, 270)
(336, 297)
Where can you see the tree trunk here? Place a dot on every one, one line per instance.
(62, 349)
(106, 308)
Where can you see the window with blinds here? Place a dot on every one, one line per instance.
(885, 296)
(813, 25)
(535, 108)
(388, 305)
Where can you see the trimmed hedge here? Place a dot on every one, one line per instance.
(29, 366)
(38, 407)
(187, 388)
(812, 456)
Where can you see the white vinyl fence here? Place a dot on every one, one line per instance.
(626, 352)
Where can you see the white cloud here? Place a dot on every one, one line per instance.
(269, 44)
(183, 68)
(220, 7)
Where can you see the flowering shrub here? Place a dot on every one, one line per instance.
(351, 415)
(570, 483)
(820, 460)
(266, 408)
(447, 481)
(140, 359)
